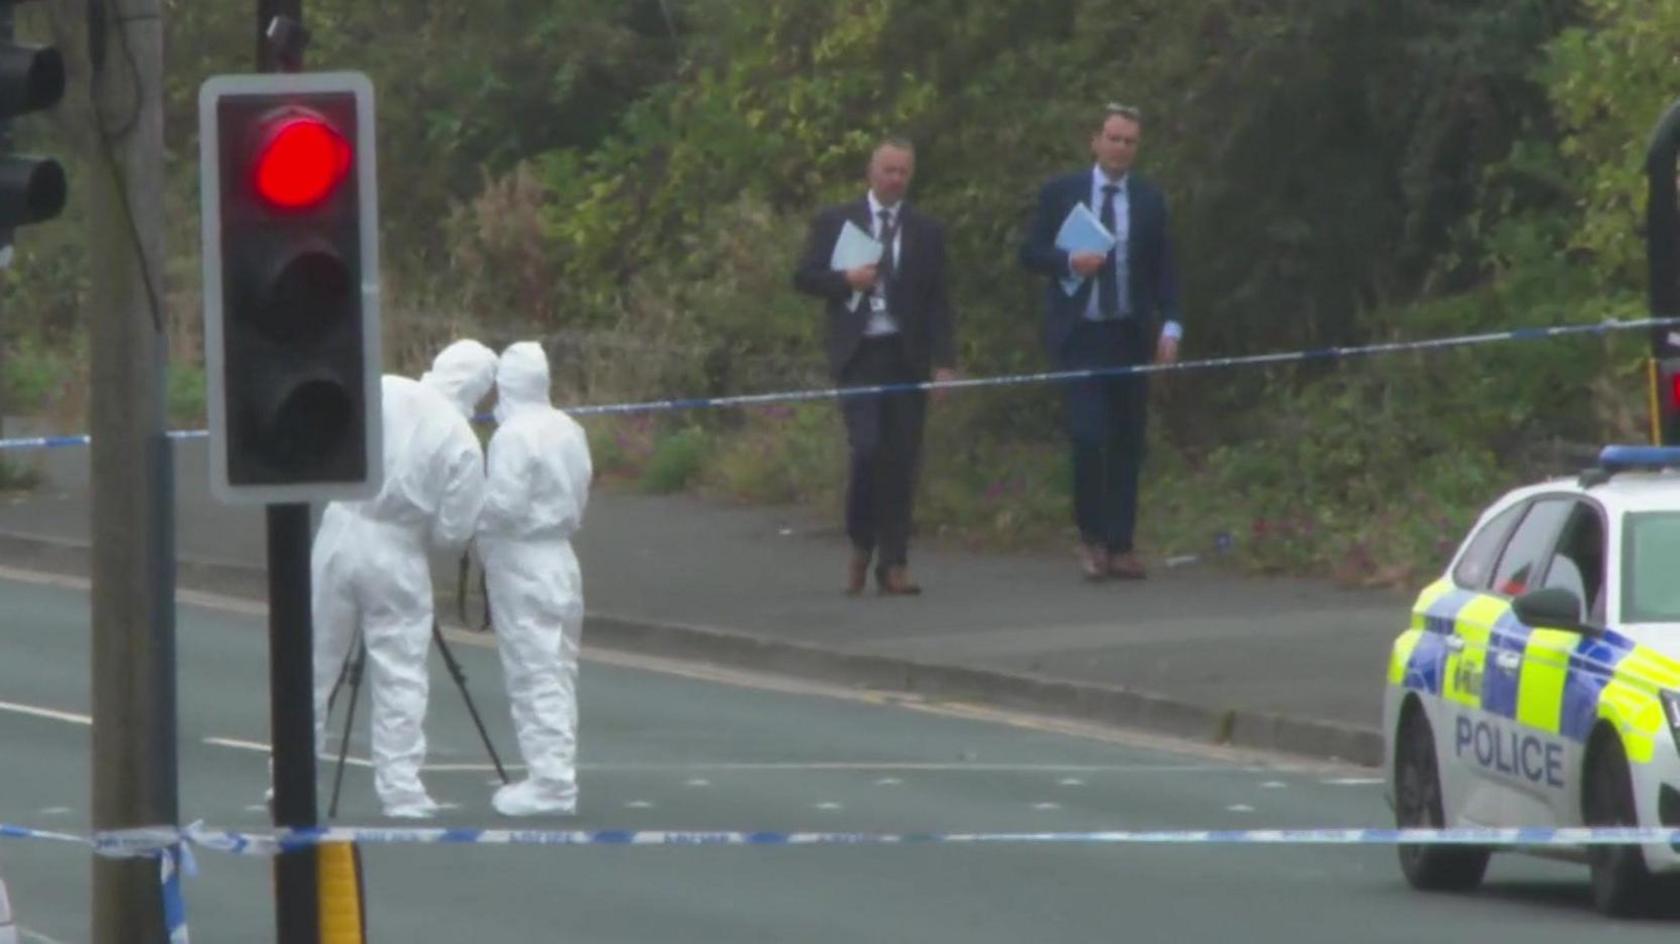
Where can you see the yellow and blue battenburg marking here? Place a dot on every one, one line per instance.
(1560, 683)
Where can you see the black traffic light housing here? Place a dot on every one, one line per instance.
(32, 189)
(1666, 397)
(1662, 258)
(291, 287)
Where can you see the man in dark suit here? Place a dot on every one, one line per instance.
(888, 323)
(1125, 311)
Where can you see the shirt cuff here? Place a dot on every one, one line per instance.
(1172, 329)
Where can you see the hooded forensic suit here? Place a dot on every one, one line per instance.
(538, 475)
(370, 563)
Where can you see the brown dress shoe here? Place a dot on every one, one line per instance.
(896, 582)
(1126, 567)
(1093, 562)
(857, 573)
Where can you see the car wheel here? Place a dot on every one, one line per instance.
(1621, 884)
(1417, 805)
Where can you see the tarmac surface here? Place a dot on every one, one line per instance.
(1194, 652)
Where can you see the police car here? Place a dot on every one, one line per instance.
(1539, 683)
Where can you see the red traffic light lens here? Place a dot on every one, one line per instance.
(1674, 392)
(303, 161)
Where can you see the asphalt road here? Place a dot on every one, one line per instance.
(693, 748)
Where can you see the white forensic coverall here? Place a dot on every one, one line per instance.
(371, 569)
(538, 475)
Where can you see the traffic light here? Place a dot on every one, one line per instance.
(32, 189)
(291, 286)
(1665, 397)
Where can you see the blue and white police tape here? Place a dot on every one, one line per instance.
(150, 841)
(171, 846)
(1608, 326)
(83, 439)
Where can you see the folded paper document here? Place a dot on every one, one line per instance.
(854, 248)
(1082, 232)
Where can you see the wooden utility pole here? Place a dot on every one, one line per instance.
(134, 770)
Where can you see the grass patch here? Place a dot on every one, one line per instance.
(676, 461)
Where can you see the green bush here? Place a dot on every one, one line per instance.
(676, 461)
(186, 395)
(33, 377)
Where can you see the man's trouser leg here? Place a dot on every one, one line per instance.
(902, 421)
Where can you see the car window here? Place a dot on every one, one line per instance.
(1523, 562)
(1476, 566)
(1650, 561)
(1578, 563)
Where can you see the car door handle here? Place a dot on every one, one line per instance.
(1509, 661)
(1455, 643)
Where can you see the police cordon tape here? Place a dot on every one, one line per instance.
(171, 847)
(1608, 326)
(155, 841)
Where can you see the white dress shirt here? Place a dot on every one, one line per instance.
(881, 322)
(1122, 244)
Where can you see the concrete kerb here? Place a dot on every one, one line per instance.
(1082, 701)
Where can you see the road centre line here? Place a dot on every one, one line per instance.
(50, 714)
(257, 747)
(796, 766)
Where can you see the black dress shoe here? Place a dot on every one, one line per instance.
(1093, 562)
(857, 573)
(896, 582)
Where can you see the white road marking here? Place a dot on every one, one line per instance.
(829, 806)
(467, 768)
(1239, 808)
(36, 936)
(257, 808)
(1273, 785)
(638, 805)
(48, 713)
(1353, 782)
(57, 811)
(258, 747)
(857, 766)
(1047, 807)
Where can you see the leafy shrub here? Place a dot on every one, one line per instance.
(676, 461)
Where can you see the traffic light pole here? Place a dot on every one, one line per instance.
(291, 707)
(133, 638)
(291, 647)
(1662, 252)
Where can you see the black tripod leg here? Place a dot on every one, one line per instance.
(461, 577)
(460, 678)
(343, 673)
(353, 667)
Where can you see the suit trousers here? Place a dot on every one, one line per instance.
(884, 436)
(1107, 421)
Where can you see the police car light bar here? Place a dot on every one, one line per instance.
(1614, 459)
(1621, 458)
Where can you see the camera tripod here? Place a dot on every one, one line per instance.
(354, 667)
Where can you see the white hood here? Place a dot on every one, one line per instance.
(463, 372)
(521, 380)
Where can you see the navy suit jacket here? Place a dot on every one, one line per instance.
(1152, 274)
(916, 296)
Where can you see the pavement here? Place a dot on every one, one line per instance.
(1194, 652)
